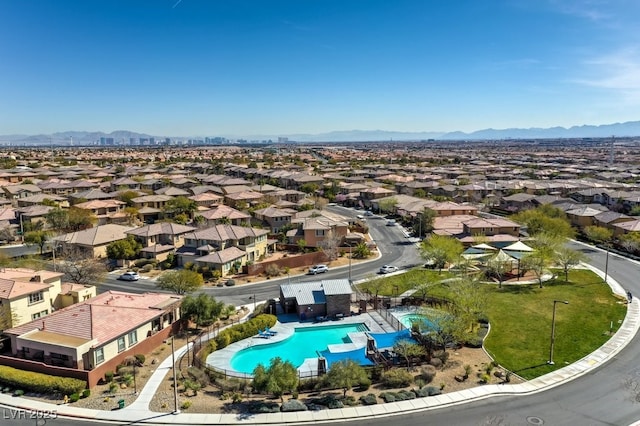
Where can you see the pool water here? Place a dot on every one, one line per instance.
(425, 323)
(304, 343)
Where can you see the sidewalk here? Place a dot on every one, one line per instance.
(138, 412)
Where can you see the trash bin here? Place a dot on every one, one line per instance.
(121, 403)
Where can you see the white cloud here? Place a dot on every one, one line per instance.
(618, 71)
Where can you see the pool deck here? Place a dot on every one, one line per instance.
(221, 359)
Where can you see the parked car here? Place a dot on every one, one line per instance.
(360, 216)
(368, 213)
(391, 222)
(386, 269)
(318, 269)
(129, 276)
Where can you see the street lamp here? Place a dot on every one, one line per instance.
(606, 264)
(176, 410)
(349, 263)
(395, 293)
(254, 301)
(553, 329)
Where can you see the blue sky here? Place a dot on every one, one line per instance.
(279, 67)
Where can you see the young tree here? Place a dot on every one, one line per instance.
(345, 374)
(498, 268)
(278, 378)
(447, 328)
(545, 219)
(202, 309)
(180, 282)
(330, 245)
(361, 251)
(440, 250)
(469, 300)
(599, 234)
(37, 238)
(388, 205)
(129, 248)
(537, 262)
(568, 258)
(423, 222)
(180, 206)
(408, 349)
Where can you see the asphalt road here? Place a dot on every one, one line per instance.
(395, 248)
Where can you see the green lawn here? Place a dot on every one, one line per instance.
(521, 316)
(521, 319)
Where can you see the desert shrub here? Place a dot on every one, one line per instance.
(369, 399)
(293, 405)
(244, 330)
(38, 382)
(127, 379)
(427, 373)
(307, 384)
(485, 378)
(108, 376)
(148, 267)
(236, 397)
(230, 283)
(140, 358)
(86, 393)
(258, 407)
(6, 390)
(442, 356)
(18, 392)
(404, 395)
(74, 397)
(421, 392)
(350, 401)
(185, 405)
(113, 387)
(230, 385)
(473, 342)
(396, 378)
(388, 396)
(432, 390)
(272, 270)
(436, 362)
(364, 385)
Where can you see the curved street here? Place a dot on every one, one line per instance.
(607, 395)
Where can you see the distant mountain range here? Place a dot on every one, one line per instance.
(627, 129)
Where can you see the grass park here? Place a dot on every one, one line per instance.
(520, 316)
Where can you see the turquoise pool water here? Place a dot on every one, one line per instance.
(304, 343)
(424, 322)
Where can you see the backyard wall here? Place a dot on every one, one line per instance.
(307, 259)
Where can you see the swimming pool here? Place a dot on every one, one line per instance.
(424, 322)
(304, 343)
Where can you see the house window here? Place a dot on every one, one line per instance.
(319, 232)
(121, 344)
(133, 337)
(35, 298)
(99, 356)
(59, 356)
(39, 314)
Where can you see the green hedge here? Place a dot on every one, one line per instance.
(244, 330)
(38, 382)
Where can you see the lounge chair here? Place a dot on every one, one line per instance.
(263, 334)
(270, 332)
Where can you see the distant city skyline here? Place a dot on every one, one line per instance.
(281, 67)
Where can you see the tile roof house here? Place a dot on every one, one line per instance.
(160, 239)
(222, 213)
(94, 336)
(275, 217)
(221, 246)
(29, 294)
(93, 242)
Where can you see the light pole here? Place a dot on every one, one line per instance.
(606, 264)
(349, 263)
(135, 385)
(395, 294)
(176, 410)
(254, 302)
(553, 329)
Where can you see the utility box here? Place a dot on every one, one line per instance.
(121, 403)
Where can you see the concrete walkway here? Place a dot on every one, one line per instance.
(139, 413)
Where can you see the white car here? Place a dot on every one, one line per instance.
(387, 269)
(318, 269)
(129, 276)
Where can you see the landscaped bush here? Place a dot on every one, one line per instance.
(369, 399)
(244, 330)
(258, 407)
(293, 405)
(272, 270)
(388, 396)
(427, 373)
(364, 385)
(185, 405)
(404, 395)
(18, 392)
(432, 390)
(86, 393)
(421, 392)
(436, 362)
(140, 358)
(330, 401)
(74, 397)
(108, 376)
(38, 382)
(396, 378)
(148, 267)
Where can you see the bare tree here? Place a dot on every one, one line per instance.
(330, 246)
(8, 317)
(81, 267)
